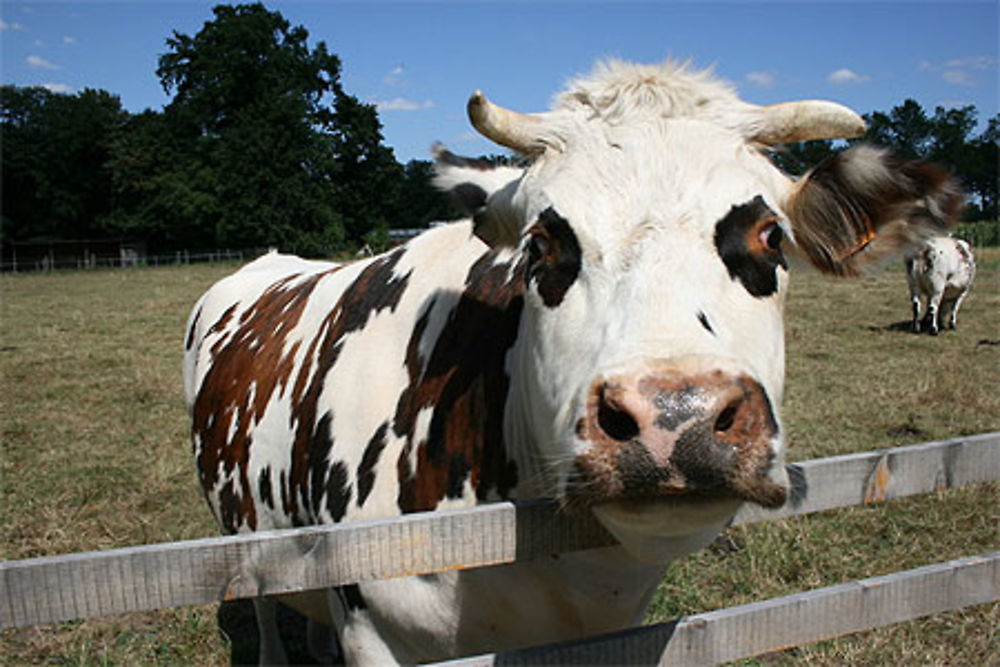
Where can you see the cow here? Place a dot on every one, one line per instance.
(604, 329)
(941, 269)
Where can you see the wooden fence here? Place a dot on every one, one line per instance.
(85, 585)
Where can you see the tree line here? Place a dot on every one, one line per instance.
(261, 145)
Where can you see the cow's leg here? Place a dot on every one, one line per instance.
(953, 319)
(915, 300)
(933, 306)
(360, 640)
(945, 313)
(272, 651)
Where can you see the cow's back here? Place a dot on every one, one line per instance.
(942, 265)
(306, 381)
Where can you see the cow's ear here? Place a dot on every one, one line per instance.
(864, 205)
(481, 191)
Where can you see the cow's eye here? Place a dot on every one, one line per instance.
(539, 246)
(771, 236)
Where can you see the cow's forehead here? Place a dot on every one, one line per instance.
(669, 174)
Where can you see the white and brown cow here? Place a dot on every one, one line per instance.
(606, 330)
(940, 269)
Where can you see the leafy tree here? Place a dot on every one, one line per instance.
(797, 158)
(422, 203)
(159, 194)
(905, 129)
(983, 164)
(266, 129)
(56, 180)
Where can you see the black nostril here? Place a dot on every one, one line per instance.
(617, 424)
(727, 417)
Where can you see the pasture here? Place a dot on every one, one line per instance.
(95, 455)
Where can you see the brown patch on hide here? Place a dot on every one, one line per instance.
(464, 383)
(554, 257)
(366, 469)
(313, 477)
(191, 330)
(247, 367)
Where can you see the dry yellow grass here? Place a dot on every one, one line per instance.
(95, 455)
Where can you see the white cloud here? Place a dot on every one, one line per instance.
(57, 87)
(395, 77)
(67, 39)
(39, 62)
(402, 104)
(975, 62)
(957, 77)
(958, 71)
(845, 76)
(762, 79)
(10, 26)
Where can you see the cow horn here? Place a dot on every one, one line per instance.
(810, 119)
(508, 128)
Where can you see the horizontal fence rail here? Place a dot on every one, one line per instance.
(85, 585)
(760, 627)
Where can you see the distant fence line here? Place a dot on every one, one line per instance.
(125, 259)
(116, 254)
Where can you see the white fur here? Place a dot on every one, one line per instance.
(941, 270)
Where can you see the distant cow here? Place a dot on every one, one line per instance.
(606, 330)
(940, 269)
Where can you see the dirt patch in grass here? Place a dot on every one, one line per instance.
(95, 455)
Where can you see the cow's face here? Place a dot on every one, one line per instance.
(649, 372)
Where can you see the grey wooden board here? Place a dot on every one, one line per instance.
(771, 625)
(84, 585)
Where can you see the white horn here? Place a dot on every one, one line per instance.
(810, 119)
(503, 126)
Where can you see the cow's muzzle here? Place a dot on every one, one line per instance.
(677, 433)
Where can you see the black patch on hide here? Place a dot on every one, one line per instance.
(555, 266)
(749, 262)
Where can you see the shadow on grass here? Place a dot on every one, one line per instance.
(238, 622)
(906, 326)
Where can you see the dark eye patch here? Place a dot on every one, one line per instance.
(553, 256)
(748, 240)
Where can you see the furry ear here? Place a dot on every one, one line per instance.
(483, 192)
(864, 205)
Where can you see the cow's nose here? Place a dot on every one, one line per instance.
(672, 432)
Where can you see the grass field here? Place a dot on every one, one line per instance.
(95, 455)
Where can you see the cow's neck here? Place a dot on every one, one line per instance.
(464, 384)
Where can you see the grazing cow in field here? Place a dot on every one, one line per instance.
(606, 329)
(940, 269)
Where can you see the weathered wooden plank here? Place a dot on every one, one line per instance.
(58, 588)
(875, 476)
(771, 625)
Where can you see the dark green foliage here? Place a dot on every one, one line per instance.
(261, 146)
(798, 158)
(56, 182)
(252, 119)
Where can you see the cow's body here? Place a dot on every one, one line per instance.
(606, 330)
(941, 270)
(284, 332)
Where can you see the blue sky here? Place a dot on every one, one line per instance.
(419, 61)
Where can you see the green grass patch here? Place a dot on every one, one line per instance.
(94, 454)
